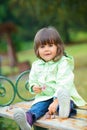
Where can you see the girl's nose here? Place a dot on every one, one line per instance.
(46, 48)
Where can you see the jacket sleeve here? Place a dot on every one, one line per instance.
(32, 78)
(65, 77)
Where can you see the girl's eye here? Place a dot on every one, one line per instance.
(42, 46)
(50, 45)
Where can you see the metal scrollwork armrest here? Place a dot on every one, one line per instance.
(22, 86)
(6, 88)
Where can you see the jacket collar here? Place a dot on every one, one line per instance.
(43, 62)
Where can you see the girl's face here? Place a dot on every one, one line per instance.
(47, 52)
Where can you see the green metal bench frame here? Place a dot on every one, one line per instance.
(14, 88)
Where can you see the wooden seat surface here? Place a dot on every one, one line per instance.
(78, 122)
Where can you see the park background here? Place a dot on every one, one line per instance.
(19, 22)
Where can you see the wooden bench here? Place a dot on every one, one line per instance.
(78, 122)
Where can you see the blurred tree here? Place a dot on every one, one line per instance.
(64, 14)
(6, 29)
(30, 15)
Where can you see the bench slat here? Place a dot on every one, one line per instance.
(7, 111)
(62, 124)
(78, 122)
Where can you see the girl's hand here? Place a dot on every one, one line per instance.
(53, 106)
(37, 89)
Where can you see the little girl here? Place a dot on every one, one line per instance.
(51, 79)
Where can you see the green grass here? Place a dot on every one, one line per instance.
(26, 55)
(79, 52)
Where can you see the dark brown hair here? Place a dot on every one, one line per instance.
(49, 35)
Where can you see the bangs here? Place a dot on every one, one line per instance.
(46, 41)
(46, 38)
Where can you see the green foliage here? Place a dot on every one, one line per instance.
(78, 36)
(3, 45)
(26, 45)
(31, 15)
(78, 50)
